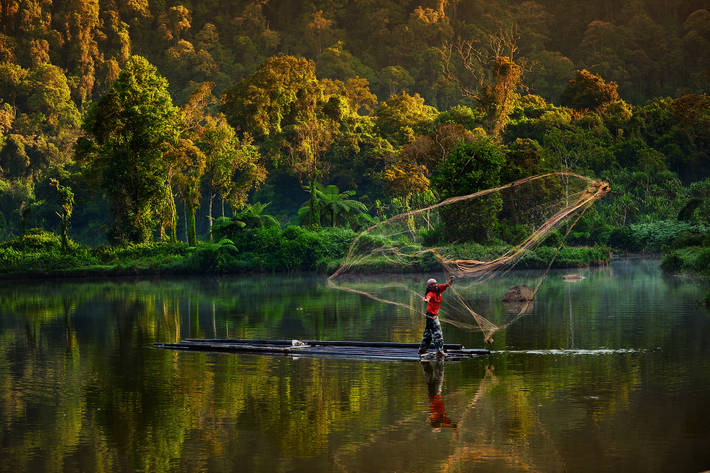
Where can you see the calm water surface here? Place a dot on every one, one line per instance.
(611, 373)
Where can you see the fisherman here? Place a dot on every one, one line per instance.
(432, 330)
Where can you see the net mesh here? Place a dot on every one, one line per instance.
(475, 237)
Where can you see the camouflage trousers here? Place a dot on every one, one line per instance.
(432, 334)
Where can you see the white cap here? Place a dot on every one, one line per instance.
(431, 281)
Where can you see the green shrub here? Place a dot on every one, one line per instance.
(567, 257)
(691, 259)
(513, 234)
(622, 238)
(430, 237)
(672, 262)
(217, 257)
(337, 241)
(702, 261)
(307, 249)
(686, 239)
(553, 239)
(140, 250)
(226, 227)
(653, 237)
(300, 248)
(36, 239)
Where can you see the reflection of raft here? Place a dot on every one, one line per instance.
(340, 349)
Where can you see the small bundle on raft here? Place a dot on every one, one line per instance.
(384, 351)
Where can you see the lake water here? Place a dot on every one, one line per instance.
(608, 374)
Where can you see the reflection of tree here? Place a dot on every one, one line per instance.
(81, 387)
(524, 438)
(146, 409)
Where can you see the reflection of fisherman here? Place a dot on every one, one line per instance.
(434, 373)
(432, 330)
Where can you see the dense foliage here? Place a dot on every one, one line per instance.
(128, 122)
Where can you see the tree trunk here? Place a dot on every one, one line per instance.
(63, 225)
(315, 211)
(222, 198)
(410, 218)
(191, 227)
(184, 215)
(23, 218)
(173, 216)
(173, 227)
(209, 213)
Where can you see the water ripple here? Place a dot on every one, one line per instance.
(571, 352)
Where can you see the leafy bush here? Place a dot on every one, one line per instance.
(653, 237)
(430, 237)
(36, 239)
(300, 248)
(217, 257)
(109, 254)
(40, 261)
(686, 239)
(672, 262)
(514, 234)
(702, 261)
(568, 257)
(308, 250)
(691, 259)
(623, 238)
(592, 231)
(226, 227)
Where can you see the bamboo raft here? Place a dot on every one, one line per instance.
(381, 351)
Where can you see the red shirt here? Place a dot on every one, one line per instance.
(435, 299)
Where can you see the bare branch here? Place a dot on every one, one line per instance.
(505, 42)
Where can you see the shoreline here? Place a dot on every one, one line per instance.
(124, 271)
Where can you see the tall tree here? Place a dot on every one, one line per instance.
(128, 132)
(335, 204)
(233, 167)
(66, 209)
(402, 117)
(589, 91)
(285, 106)
(187, 162)
(488, 74)
(471, 167)
(210, 150)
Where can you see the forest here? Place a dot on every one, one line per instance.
(263, 135)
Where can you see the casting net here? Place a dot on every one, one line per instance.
(475, 238)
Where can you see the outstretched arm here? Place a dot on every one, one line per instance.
(443, 287)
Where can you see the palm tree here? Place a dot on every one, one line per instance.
(251, 216)
(333, 204)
